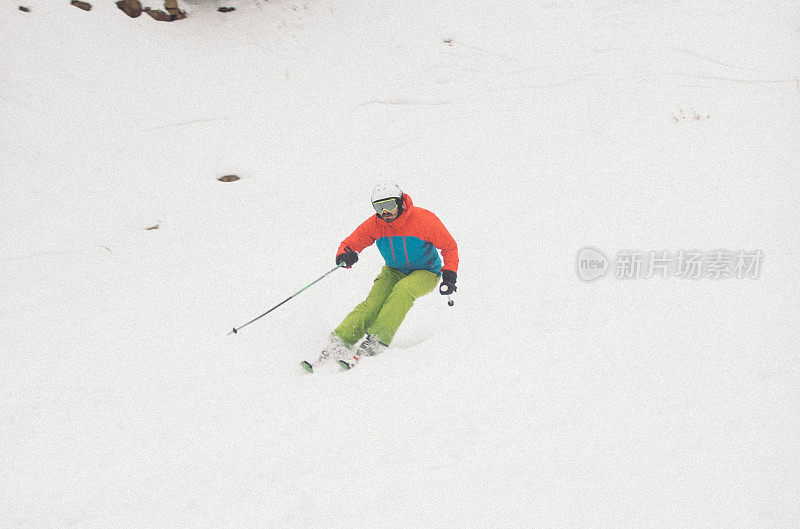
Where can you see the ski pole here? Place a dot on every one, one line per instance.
(450, 301)
(236, 329)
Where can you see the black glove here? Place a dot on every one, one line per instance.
(349, 258)
(448, 285)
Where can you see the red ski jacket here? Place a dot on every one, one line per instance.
(409, 242)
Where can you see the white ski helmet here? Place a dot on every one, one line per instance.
(387, 190)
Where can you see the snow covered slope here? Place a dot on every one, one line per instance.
(532, 129)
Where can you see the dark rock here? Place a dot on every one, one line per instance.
(228, 178)
(226, 9)
(25, 9)
(171, 6)
(157, 14)
(132, 8)
(86, 6)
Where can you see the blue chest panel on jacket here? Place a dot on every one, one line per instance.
(406, 254)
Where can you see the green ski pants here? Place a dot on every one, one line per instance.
(391, 297)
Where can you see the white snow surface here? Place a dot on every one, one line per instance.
(531, 128)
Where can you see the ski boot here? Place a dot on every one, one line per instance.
(335, 349)
(371, 346)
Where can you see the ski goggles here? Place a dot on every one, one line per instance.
(388, 204)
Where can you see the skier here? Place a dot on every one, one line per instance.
(407, 237)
